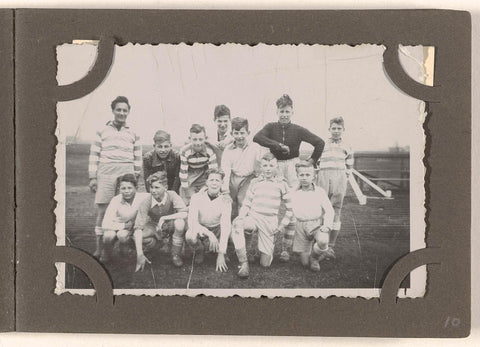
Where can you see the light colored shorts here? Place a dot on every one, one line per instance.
(107, 175)
(286, 169)
(305, 233)
(266, 226)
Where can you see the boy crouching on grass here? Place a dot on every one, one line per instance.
(159, 216)
(260, 212)
(314, 218)
(209, 221)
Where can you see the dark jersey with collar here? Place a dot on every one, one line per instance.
(171, 165)
(273, 134)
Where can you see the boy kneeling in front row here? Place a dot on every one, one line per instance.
(209, 221)
(259, 212)
(314, 218)
(159, 216)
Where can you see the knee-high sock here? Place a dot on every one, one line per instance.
(177, 242)
(334, 234)
(288, 235)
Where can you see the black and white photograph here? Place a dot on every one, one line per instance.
(251, 170)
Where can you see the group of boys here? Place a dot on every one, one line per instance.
(232, 188)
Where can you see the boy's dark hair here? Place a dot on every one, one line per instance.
(216, 172)
(119, 99)
(268, 156)
(284, 101)
(238, 123)
(221, 110)
(337, 120)
(159, 176)
(303, 163)
(161, 136)
(125, 178)
(197, 129)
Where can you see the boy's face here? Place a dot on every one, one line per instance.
(240, 136)
(214, 183)
(158, 189)
(268, 167)
(162, 148)
(284, 114)
(198, 141)
(305, 176)
(336, 130)
(222, 124)
(127, 189)
(120, 112)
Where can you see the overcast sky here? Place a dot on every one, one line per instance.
(172, 86)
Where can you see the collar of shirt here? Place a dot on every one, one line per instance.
(110, 123)
(310, 188)
(157, 161)
(262, 177)
(203, 151)
(332, 140)
(161, 203)
(247, 143)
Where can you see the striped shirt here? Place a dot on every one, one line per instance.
(193, 165)
(312, 204)
(115, 146)
(336, 155)
(264, 196)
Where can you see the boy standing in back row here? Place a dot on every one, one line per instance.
(335, 166)
(196, 158)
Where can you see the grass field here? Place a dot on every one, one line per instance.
(373, 237)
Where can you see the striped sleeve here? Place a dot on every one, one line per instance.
(137, 156)
(94, 157)
(287, 198)
(212, 160)
(183, 170)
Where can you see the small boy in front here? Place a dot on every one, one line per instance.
(240, 162)
(314, 217)
(195, 159)
(335, 166)
(222, 118)
(209, 219)
(162, 158)
(159, 216)
(259, 212)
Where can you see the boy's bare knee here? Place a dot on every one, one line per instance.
(109, 236)
(179, 224)
(123, 236)
(191, 237)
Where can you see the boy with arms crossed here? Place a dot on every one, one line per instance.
(335, 166)
(195, 159)
(209, 218)
(162, 158)
(240, 162)
(260, 211)
(314, 217)
(159, 216)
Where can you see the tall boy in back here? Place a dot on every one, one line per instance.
(222, 119)
(314, 217)
(162, 158)
(162, 215)
(259, 212)
(209, 221)
(335, 166)
(195, 159)
(240, 162)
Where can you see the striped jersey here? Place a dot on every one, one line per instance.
(115, 146)
(264, 196)
(194, 165)
(336, 155)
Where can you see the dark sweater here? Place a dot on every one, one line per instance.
(292, 135)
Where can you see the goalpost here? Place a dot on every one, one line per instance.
(362, 198)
